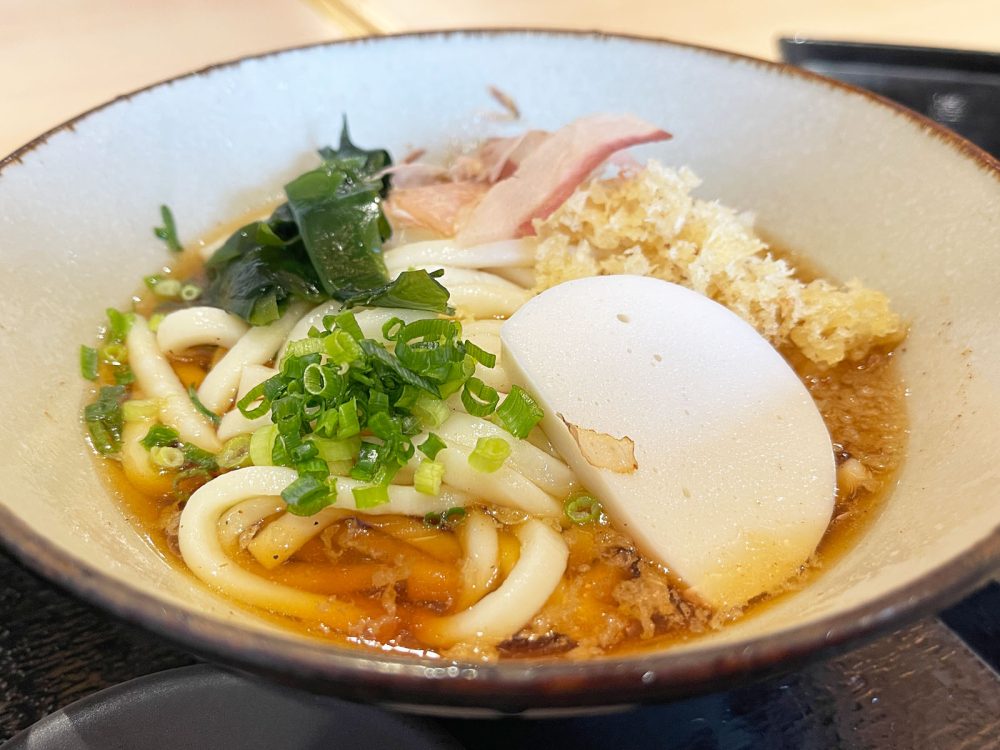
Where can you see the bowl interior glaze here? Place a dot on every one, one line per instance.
(855, 185)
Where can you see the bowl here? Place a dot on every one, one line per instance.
(857, 185)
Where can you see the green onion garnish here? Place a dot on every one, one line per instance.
(262, 445)
(371, 496)
(581, 509)
(432, 446)
(479, 399)
(489, 454)
(166, 456)
(167, 288)
(427, 478)
(446, 519)
(88, 362)
(104, 419)
(235, 453)
(210, 415)
(160, 435)
(154, 321)
(190, 292)
(140, 410)
(519, 413)
(168, 232)
(308, 495)
(119, 324)
(431, 411)
(483, 357)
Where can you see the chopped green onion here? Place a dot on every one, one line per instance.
(152, 281)
(428, 476)
(519, 413)
(333, 451)
(104, 419)
(210, 415)
(113, 354)
(342, 348)
(262, 445)
(124, 375)
(88, 362)
(371, 496)
(155, 320)
(392, 328)
(489, 454)
(432, 412)
(167, 288)
(308, 495)
(581, 509)
(168, 232)
(167, 456)
(119, 325)
(190, 292)
(140, 410)
(347, 414)
(302, 347)
(479, 399)
(235, 453)
(159, 435)
(483, 357)
(446, 519)
(432, 446)
(346, 321)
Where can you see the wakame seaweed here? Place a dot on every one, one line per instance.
(338, 210)
(325, 242)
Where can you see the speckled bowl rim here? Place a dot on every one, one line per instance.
(522, 686)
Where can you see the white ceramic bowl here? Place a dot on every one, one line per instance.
(859, 186)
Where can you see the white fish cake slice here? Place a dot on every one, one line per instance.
(700, 440)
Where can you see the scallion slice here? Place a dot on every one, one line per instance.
(235, 453)
(428, 476)
(168, 232)
(308, 495)
(166, 456)
(262, 445)
(489, 454)
(519, 413)
(483, 357)
(479, 399)
(581, 509)
(432, 446)
(432, 412)
(138, 410)
(159, 435)
(210, 415)
(88, 362)
(370, 496)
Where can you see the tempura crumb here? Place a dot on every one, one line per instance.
(648, 223)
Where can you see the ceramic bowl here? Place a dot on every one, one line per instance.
(857, 185)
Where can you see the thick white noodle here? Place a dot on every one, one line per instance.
(496, 376)
(157, 380)
(519, 598)
(284, 536)
(233, 422)
(505, 486)
(481, 545)
(139, 470)
(204, 555)
(540, 468)
(256, 347)
(473, 327)
(503, 254)
(370, 321)
(479, 294)
(198, 326)
(521, 276)
(244, 517)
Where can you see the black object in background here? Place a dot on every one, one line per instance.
(957, 88)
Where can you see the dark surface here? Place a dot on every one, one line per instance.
(919, 687)
(958, 88)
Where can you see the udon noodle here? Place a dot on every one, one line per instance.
(459, 553)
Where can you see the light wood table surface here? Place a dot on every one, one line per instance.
(61, 57)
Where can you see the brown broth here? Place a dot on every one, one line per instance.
(611, 599)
